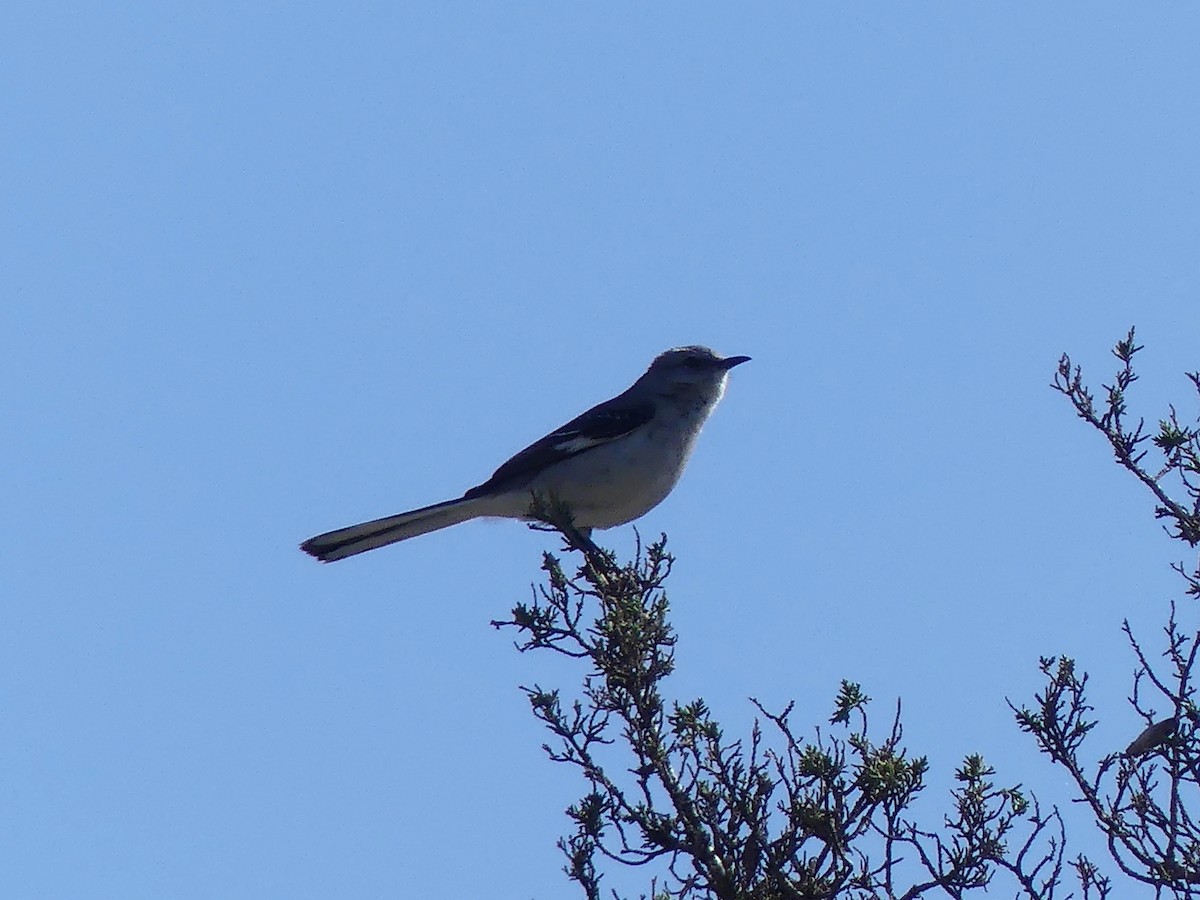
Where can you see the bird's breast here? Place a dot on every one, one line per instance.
(620, 481)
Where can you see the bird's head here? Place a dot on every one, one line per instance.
(695, 371)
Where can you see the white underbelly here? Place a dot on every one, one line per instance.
(618, 482)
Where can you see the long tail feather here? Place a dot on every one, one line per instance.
(335, 545)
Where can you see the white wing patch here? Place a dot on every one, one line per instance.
(577, 443)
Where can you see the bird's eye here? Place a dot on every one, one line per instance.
(694, 362)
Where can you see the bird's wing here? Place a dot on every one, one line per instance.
(601, 424)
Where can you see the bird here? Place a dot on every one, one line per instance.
(606, 467)
(1153, 736)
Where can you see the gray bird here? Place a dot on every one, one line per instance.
(609, 466)
(1153, 736)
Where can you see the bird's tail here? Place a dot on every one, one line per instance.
(354, 539)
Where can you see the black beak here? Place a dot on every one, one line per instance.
(730, 361)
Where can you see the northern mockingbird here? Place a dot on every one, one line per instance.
(609, 466)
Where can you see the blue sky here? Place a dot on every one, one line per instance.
(271, 270)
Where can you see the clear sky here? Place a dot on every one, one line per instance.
(270, 269)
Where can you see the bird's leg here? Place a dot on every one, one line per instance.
(552, 512)
(579, 538)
